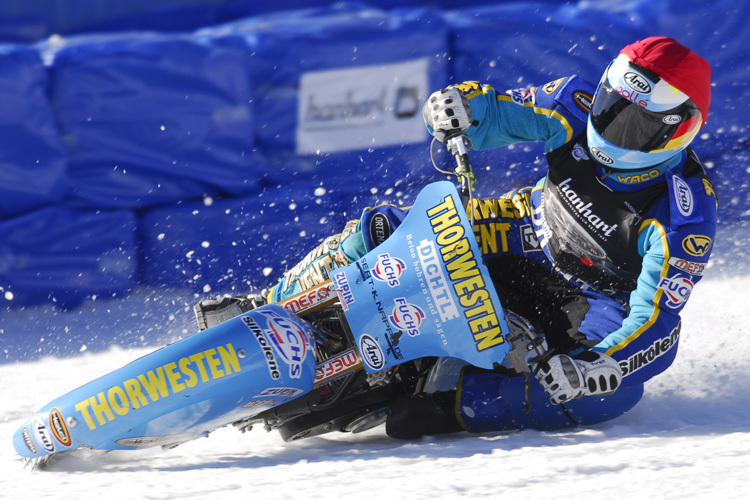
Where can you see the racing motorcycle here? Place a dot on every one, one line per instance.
(332, 358)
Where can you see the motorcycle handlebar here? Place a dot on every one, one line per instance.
(459, 146)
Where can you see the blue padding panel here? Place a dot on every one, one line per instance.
(289, 46)
(32, 158)
(23, 28)
(235, 245)
(65, 255)
(153, 119)
(347, 173)
(719, 32)
(523, 44)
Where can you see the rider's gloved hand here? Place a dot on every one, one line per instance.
(447, 113)
(589, 373)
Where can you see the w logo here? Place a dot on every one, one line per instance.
(697, 245)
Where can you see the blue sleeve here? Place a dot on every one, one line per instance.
(674, 258)
(554, 113)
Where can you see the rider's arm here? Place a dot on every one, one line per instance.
(673, 262)
(548, 114)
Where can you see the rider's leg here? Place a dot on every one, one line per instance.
(570, 318)
(490, 401)
(334, 252)
(494, 401)
(357, 238)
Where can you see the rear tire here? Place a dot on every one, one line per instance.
(355, 414)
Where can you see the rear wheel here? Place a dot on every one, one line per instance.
(355, 414)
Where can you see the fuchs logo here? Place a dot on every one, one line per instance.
(59, 429)
(29, 441)
(42, 435)
(290, 342)
(696, 245)
(601, 156)
(371, 353)
(380, 229)
(683, 196)
(583, 100)
(677, 289)
(406, 317)
(637, 82)
(388, 269)
(671, 119)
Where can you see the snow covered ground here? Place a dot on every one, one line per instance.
(688, 438)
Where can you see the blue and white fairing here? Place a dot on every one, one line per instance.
(425, 291)
(221, 375)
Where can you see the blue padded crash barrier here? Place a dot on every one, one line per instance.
(339, 90)
(64, 255)
(23, 28)
(236, 245)
(350, 174)
(32, 158)
(152, 119)
(718, 33)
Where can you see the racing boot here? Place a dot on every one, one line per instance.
(425, 414)
(335, 251)
(212, 311)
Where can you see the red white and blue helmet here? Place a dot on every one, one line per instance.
(650, 103)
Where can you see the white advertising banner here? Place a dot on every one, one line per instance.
(360, 108)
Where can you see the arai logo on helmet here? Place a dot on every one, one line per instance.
(601, 156)
(671, 119)
(637, 82)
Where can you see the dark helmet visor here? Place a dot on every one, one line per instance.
(619, 119)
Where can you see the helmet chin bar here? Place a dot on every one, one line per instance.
(662, 167)
(623, 160)
(631, 171)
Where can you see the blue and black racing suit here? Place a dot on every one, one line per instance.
(596, 259)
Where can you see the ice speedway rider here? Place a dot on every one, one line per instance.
(601, 254)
